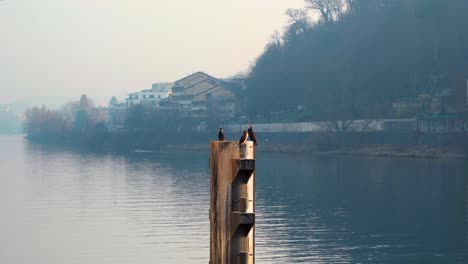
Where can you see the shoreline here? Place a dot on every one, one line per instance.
(302, 146)
(425, 152)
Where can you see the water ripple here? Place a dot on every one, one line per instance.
(63, 206)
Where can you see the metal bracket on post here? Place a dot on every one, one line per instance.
(232, 203)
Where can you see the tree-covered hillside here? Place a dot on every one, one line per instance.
(363, 56)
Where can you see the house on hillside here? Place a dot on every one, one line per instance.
(200, 95)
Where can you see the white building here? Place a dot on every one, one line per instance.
(148, 97)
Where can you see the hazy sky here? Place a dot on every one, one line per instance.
(52, 50)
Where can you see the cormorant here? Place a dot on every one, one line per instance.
(221, 134)
(243, 139)
(252, 135)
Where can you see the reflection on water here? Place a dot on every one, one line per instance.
(355, 210)
(64, 206)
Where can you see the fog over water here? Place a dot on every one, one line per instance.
(69, 206)
(381, 78)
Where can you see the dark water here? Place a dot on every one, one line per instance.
(64, 206)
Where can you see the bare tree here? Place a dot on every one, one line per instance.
(68, 111)
(329, 9)
(113, 101)
(275, 39)
(298, 17)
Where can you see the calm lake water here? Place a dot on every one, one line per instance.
(67, 206)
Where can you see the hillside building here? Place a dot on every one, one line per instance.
(200, 95)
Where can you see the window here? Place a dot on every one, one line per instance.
(144, 96)
(151, 96)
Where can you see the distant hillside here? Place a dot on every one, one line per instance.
(363, 58)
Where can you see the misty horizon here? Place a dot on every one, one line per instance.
(58, 50)
(304, 131)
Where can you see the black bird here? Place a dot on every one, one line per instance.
(221, 134)
(252, 135)
(243, 139)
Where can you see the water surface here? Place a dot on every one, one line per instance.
(61, 205)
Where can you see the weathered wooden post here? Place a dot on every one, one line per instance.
(232, 203)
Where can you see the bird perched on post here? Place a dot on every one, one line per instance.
(252, 135)
(221, 136)
(243, 139)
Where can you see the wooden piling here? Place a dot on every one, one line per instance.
(232, 203)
